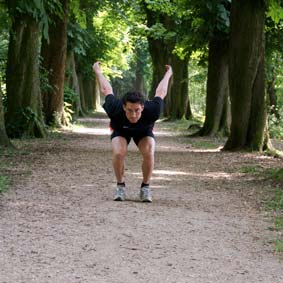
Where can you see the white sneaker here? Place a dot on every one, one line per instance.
(120, 193)
(145, 194)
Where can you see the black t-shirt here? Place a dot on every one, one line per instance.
(118, 120)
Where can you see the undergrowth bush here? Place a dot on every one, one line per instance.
(275, 124)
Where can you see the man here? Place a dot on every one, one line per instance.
(132, 117)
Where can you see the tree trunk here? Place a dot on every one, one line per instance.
(4, 141)
(71, 80)
(216, 116)
(247, 76)
(54, 57)
(82, 95)
(159, 56)
(139, 83)
(24, 114)
(179, 89)
(86, 78)
(89, 94)
(161, 50)
(97, 100)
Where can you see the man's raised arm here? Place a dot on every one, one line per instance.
(104, 85)
(162, 87)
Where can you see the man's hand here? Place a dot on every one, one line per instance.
(161, 90)
(169, 70)
(96, 68)
(104, 85)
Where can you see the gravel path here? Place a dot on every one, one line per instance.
(59, 224)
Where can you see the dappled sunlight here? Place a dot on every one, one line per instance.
(92, 131)
(187, 148)
(208, 150)
(158, 186)
(94, 120)
(212, 175)
(164, 133)
(169, 175)
(169, 172)
(162, 178)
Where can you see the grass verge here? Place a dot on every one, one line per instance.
(4, 183)
(274, 203)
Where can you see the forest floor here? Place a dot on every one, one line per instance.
(207, 223)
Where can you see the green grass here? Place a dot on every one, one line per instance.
(275, 202)
(278, 223)
(204, 144)
(274, 176)
(249, 169)
(278, 246)
(4, 183)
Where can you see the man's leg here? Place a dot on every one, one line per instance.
(119, 145)
(147, 146)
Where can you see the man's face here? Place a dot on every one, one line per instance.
(133, 111)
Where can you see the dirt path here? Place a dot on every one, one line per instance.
(59, 223)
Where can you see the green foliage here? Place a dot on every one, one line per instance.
(68, 112)
(206, 20)
(70, 102)
(197, 85)
(44, 74)
(275, 125)
(39, 10)
(166, 6)
(274, 75)
(117, 42)
(78, 39)
(275, 11)
(4, 42)
(70, 96)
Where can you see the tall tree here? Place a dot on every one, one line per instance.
(4, 140)
(53, 52)
(93, 47)
(24, 114)
(247, 76)
(4, 27)
(210, 26)
(217, 104)
(165, 29)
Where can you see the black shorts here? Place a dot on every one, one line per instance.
(137, 136)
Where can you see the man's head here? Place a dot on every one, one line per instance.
(133, 105)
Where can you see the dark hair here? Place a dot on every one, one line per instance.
(133, 97)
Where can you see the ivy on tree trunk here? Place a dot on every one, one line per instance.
(24, 113)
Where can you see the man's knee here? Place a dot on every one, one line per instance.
(119, 148)
(119, 155)
(147, 147)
